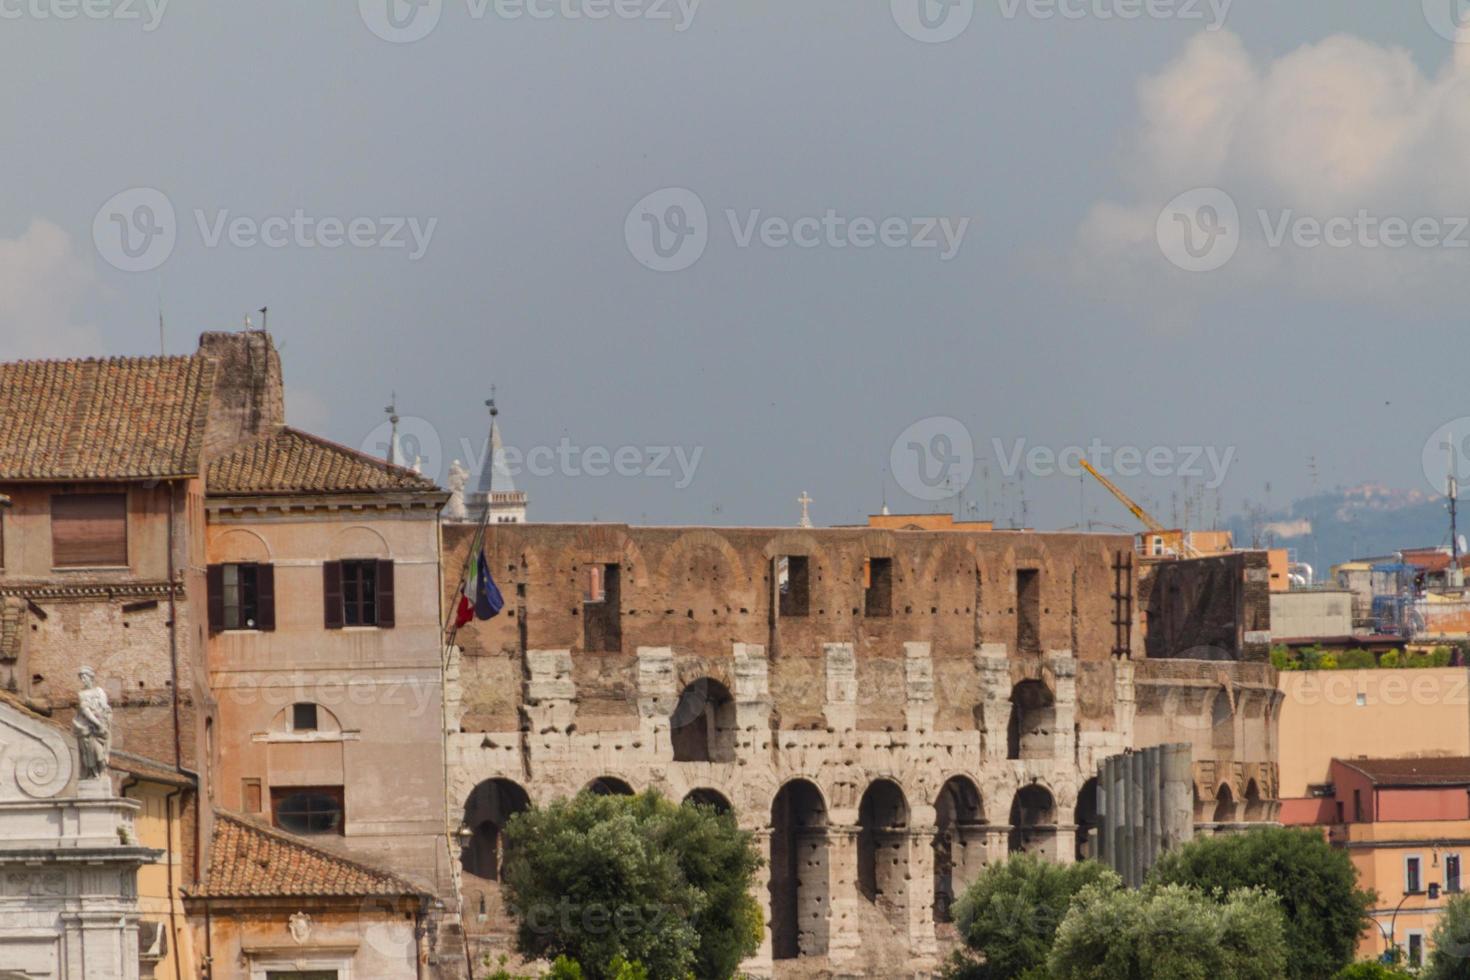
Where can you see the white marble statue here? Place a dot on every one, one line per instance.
(93, 726)
(454, 510)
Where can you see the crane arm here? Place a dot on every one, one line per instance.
(1143, 516)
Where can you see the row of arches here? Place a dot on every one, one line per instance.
(703, 726)
(801, 845)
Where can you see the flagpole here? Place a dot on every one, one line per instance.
(451, 631)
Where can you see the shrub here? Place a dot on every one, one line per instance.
(1328, 662)
(1170, 932)
(1370, 970)
(1450, 957)
(1357, 660)
(1315, 883)
(1012, 911)
(1389, 659)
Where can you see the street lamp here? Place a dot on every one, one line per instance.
(1432, 894)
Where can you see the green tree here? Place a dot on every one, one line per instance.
(1357, 660)
(1370, 970)
(603, 878)
(1170, 932)
(1316, 884)
(1449, 959)
(1009, 916)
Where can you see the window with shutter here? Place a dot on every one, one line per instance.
(89, 530)
(242, 597)
(332, 594)
(385, 595)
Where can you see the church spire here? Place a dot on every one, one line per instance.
(497, 485)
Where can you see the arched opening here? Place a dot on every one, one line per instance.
(1224, 807)
(609, 786)
(711, 798)
(1032, 723)
(1033, 821)
(1086, 818)
(799, 872)
(883, 863)
(1255, 807)
(487, 810)
(959, 842)
(702, 727)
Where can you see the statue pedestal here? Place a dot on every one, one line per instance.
(98, 788)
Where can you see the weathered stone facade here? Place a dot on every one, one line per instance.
(886, 710)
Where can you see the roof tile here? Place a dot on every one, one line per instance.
(251, 860)
(121, 418)
(291, 461)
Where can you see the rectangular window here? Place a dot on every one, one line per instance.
(1028, 610)
(358, 593)
(303, 717)
(602, 610)
(308, 810)
(89, 530)
(1452, 873)
(1416, 950)
(878, 598)
(794, 584)
(1411, 875)
(242, 597)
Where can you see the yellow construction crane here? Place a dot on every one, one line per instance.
(1143, 516)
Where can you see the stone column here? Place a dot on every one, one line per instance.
(762, 963)
(919, 684)
(752, 701)
(1178, 802)
(551, 695)
(1063, 667)
(841, 703)
(995, 692)
(923, 946)
(658, 696)
(844, 936)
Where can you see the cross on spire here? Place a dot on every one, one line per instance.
(806, 501)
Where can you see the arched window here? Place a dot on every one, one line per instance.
(1087, 819)
(487, 811)
(713, 799)
(799, 872)
(702, 727)
(609, 786)
(1033, 722)
(883, 818)
(959, 842)
(1033, 820)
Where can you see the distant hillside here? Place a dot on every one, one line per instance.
(1341, 525)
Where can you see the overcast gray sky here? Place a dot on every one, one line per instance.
(519, 149)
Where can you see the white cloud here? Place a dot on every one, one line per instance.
(41, 281)
(1341, 129)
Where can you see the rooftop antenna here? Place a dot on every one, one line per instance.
(1452, 486)
(162, 349)
(392, 410)
(264, 310)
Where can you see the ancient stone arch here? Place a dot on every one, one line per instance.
(959, 840)
(800, 872)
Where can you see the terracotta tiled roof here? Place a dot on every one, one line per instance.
(291, 461)
(1449, 771)
(123, 418)
(252, 860)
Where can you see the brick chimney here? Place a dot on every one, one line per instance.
(249, 396)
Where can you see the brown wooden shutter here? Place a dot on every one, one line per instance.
(89, 530)
(215, 579)
(265, 597)
(332, 593)
(385, 594)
